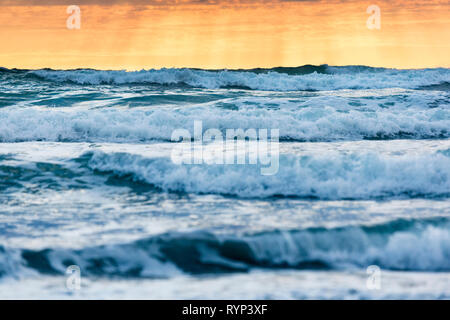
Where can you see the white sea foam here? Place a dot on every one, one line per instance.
(258, 285)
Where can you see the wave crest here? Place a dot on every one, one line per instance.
(305, 123)
(421, 245)
(277, 79)
(328, 176)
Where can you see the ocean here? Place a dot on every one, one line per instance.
(93, 205)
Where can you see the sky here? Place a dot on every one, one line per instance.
(216, 34)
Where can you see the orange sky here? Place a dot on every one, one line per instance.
(223, 34)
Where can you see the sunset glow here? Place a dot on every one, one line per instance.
(224, 34)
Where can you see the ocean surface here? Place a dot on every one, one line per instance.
(87, 179)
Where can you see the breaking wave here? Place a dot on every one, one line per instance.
(420, 245)
(327, 176)
(306, 123)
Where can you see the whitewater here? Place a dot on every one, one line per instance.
(87, 179)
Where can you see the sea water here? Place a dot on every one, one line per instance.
(363, 182)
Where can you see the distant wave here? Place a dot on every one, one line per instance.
(420, 245)
(328, 176)
(275, 79)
